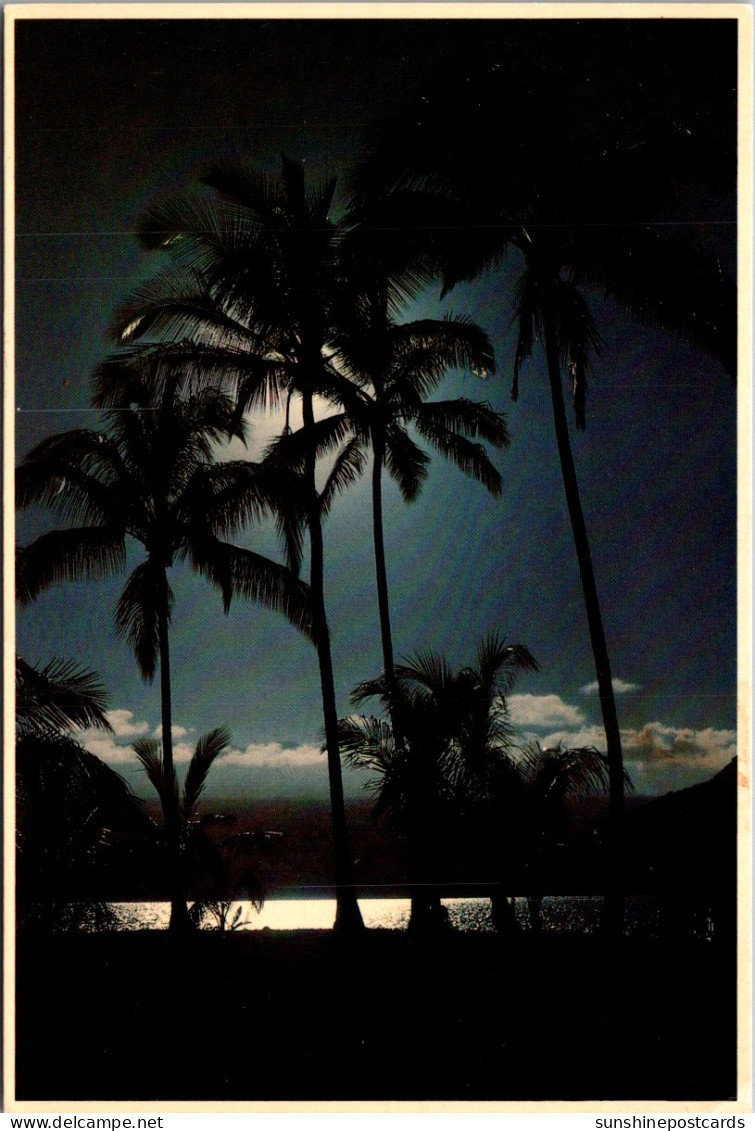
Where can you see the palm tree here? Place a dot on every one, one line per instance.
(454, 730)
(69, 803)
(410, 781)
(517, 817)
(581, 216)
(149, 477)
(183, 829)
(392, 368)
(549, 782)
(461, 766)
(250, 301)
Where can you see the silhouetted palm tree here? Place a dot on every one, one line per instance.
(454, 733)
(149, 477)
(518, 818)
(186, 834)
(69, 804)
(393, 367)
(250, 300)
(584, 210)
(550, 782)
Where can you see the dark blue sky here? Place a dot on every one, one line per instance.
(112, 116)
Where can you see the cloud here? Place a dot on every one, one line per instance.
(111, 747)
(176, 731)
(658, 757)
(123, 724)
(273, 754)
(106, 748)
(542, 711)
(656, 742)
(620, 686)
(182, 751)
(587, 735)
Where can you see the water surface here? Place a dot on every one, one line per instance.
(560, 913)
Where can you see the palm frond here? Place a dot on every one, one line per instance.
(149, 751)
(323, 438)
(176, 305)
(428, 670)
(470, 458)
(499, 662)
(89, 553)
(468, 418)
(405, 460)
(241, 185)
(527, 317)
(266, 583)
(367, 742)
(225, 497)
(560, 774)
(370, 688)
(58, 697)
(75, 474)
(140, 374)
(348, 467)
(422, 351)
(209, 747)
(666, 282)
(137, 614)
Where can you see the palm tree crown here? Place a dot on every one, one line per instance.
(454, 748)
(149, 476)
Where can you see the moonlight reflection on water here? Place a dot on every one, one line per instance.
(560, 913)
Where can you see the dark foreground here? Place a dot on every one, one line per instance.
(300, 1016)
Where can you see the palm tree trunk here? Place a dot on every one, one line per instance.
(348, 915)
(426, 910)
(614, 902)
(427, 915)
(381, 577)
(179, 914)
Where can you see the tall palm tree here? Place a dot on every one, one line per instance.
(583, 212)
(454, 732)
(249, 299)
(149, 477)
(392, 368)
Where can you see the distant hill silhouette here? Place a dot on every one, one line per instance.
(684, 846)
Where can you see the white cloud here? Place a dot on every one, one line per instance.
(106, 748)
(273, 754)
(543, 711)
(655, 742)
(123, 724)
(111, 747)
(587, 735)
(176, 731)
(182, 752)
(657, 757)
(620, 686)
